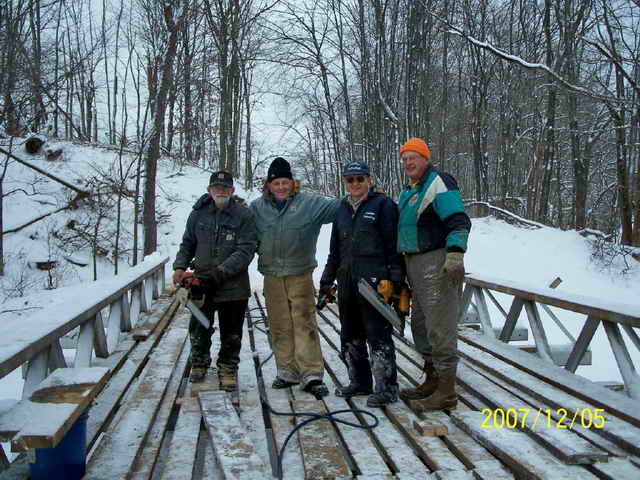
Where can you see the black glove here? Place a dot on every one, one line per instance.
(326, 294)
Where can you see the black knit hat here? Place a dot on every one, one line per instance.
(279, 168)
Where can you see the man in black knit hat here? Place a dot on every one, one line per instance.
(288, 223)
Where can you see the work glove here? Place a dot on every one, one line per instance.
(177, 276)
(326, 294)
(386, 289)
(453, 268)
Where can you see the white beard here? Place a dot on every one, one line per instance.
(221, 201)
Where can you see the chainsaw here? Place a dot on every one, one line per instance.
(191, 295)
(381, 300)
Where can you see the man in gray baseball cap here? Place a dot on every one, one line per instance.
(220, 239)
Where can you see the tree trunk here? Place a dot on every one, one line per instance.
(153, 154)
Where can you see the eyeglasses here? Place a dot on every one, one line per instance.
(359, 179)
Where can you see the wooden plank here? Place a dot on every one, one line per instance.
(362, 450)
(432, 450)
(430, 428)
(234, 450)
(150, 319)
(618, 431)
(320, 447)
(618, 312)
(563, 443)
(616, 469)
(281, 425)
(181, 455)
(59, 400)
(521, 454)
(117, 451)
(135, 357)
(145, 465)
(580, 387)
(391, 444)
(586, 433)
(492, 470)
(454, 475)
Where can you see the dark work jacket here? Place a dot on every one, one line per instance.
(224, 238)
(365, 245)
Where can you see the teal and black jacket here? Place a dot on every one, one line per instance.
(432, 215)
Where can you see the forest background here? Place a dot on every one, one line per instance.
(534, 106)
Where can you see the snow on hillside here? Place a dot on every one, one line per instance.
(497, 249)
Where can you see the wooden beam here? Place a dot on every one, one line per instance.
(515, 449)
(181, 454)
(539, 334)
(562, 442)
(233, 447)
(100, 338)
(582, 343)
(36, 372)
(483, 313)
(512, 319)
(623, 359)
(559, 389)
(58, 402)
(321, 450)
(575, 303)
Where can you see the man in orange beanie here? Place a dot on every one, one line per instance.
(432, 235)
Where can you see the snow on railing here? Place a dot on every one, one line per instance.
(613, 316)
(36, 340)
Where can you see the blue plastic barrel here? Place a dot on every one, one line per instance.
(67, 460)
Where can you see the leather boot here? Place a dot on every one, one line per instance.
(444, 397)
(426, 388)
(227, 379)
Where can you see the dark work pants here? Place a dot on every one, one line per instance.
(361, 324)
(230, 321)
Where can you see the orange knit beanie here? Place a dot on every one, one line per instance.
(416, 145)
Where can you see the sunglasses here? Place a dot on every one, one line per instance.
(359, 179)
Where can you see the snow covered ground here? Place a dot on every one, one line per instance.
(496, 249)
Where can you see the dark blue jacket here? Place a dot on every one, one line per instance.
(365, 245)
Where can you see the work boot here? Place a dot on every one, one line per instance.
(444, 397)
(197, 374)
(381, 399)
(353, 390)
(227, 379)
(426, 388)
(279, 383)
(316, 388)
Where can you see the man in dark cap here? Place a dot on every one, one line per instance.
(364, 246)
(220, 238)
(288, 223)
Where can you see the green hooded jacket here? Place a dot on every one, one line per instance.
(287, 237)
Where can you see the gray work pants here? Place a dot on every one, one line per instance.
(435, 308)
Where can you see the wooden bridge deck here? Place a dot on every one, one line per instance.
(150, 423)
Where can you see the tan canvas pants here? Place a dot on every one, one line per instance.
(292, 323)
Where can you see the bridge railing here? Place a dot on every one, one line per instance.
(35, 342)
(614, 317)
